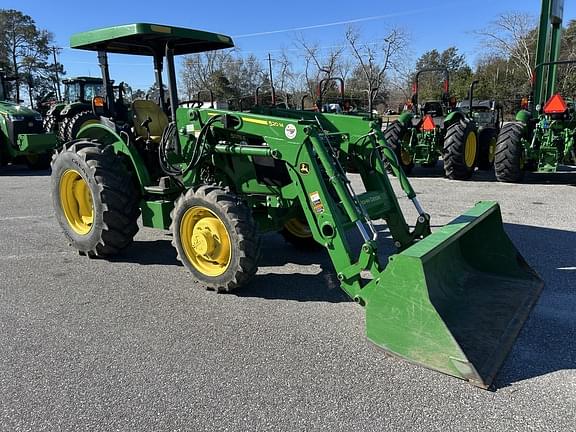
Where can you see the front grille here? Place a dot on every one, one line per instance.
(16, 128)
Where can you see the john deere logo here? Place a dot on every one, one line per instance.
(304, 168)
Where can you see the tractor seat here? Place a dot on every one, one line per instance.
(144, 109)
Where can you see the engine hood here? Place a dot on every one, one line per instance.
(7, 107)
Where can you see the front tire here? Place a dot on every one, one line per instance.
(396, 134)
(460, 149)
(509, 159)
(216, 237)
(94, 198)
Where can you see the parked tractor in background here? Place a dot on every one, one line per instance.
(488, 117)
(435, 129)
(542, 137)
(22, 137)
(66, 117)
(219, 179)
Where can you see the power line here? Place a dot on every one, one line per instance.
(337, 23)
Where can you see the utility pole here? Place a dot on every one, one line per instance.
(58, 94)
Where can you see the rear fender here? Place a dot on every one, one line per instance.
(524, 116)
(452, 118)
(406, 118)
(107, 136)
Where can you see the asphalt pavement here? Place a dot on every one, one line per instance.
(132, 344)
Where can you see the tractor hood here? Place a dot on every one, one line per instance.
(13, 109)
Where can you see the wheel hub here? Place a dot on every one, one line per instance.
(205, 241)
(76, 202)
(205, 238)
(470, 150)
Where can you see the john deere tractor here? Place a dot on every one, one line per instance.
(21, 135)
(488, 116)
(453, 300)
(66, 117)
(435, 129)
(542, 137)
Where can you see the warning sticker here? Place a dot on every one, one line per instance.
(316, 202)
(290, 131)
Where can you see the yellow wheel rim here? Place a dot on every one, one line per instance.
(470, 150)
(492, 150)
(205, 241)
(406, 157)
(76, 202)
(298, 228)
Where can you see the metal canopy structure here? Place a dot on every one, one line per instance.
(149, 39)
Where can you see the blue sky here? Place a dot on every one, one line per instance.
(431, 24)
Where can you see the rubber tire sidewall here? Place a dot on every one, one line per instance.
(71, 160)
(212, 281)
(460, 170)
(484, 138)
(394, 139)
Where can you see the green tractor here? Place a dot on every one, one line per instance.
(66, 117)
(542, 137)
(453, 300)
(435, 129)
(488, 116)
(22, 137)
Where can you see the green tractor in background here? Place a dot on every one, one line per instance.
(435, 129)
(488, 116)
(22, 137)
(220, 179)
(542, 137)
(67, 117)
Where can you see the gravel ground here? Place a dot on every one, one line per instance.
(133, 344)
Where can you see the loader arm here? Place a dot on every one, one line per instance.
(453, 300)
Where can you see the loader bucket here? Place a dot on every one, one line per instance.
(455, 301)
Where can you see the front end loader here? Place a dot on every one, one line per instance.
(453, 300)
(435, 130)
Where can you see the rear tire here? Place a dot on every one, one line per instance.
(85, 174)
(72, 125)
(395, 134)
(50, 124)
(487, 148)
(216, 237)
(460, 148)
(508, 161)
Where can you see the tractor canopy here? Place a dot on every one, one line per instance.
(148, 39)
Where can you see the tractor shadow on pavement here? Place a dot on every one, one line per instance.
(277, 279)
(22, 171)
(546, 343)
(566, 175)
(148, 252)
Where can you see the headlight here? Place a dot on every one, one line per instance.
(14, 117)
